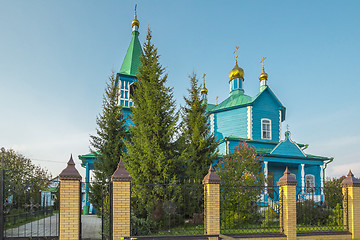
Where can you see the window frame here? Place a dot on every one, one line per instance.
(309, 189)
(267, 131)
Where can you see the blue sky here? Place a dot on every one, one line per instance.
(56, 56)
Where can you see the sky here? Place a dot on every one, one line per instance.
(56, 57)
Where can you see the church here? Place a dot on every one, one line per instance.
(256, 120)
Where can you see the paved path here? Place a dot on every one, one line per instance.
(44, 227)
(91, 228)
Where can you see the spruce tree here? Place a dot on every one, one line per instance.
(199, 145)
(108, 143)
(150, 150)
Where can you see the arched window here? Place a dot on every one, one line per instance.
(266, 129)
(309, 183)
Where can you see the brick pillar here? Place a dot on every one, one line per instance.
(70, 200)
(287, 184)
(121, 202)
(212, 204)
(352, 185)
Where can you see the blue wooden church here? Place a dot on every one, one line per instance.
(258, 121)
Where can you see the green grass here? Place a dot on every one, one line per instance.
(187, 229)
(251, 231)
(309, 229)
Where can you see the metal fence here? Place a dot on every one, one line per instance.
(321, 210)
(30, 208)
(249, 209)
(167, 209)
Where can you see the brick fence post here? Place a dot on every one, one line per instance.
(352, 185)
(212, 204)
(121, 202)
(287, 184)
(70, 200)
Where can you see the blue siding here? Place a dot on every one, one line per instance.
(266, 107)
(232, 122)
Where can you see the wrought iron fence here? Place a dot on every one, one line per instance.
(30, 208)
(167, 209)
(321, 210)
(249, 209)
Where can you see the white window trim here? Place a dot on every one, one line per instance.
(212, 124)
(262, 120)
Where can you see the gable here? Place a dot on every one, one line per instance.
(288, 148)
(266, 99)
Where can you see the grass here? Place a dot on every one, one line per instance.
(251, 231)
(309, 229)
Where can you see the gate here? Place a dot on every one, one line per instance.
(96, 221)
(30, 207)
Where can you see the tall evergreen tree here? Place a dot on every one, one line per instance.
(150, 150)
(199, 145)
(108, 143)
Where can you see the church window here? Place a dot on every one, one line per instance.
(125, 99)
(266, 129)
(309, 183)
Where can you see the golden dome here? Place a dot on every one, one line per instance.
(204, 91)
(263, 76)
(236, 72)
(135, 22)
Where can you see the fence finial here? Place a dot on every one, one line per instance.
(350, 181)
(121, 174)
(287, 179)
(70, 172)
(211, 177)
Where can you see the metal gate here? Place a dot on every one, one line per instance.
(30, 207)
(96, 221)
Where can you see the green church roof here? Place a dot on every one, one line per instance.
(131, 61)
(237, 98)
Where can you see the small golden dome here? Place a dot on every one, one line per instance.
(236, 72)
(204, 91)
(263, 76)
(135, 22)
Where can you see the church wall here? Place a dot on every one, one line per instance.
(266, 107)
(314, 170)
(232, 122)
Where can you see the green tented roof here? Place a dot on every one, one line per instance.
(131, 61)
